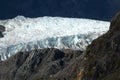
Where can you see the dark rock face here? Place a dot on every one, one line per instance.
(1, 35)
(103, 55)
(42, 64)
(2, 29)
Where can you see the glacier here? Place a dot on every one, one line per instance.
(25, 34)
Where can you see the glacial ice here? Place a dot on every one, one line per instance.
(25, 34)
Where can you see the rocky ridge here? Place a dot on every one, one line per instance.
(102, 57)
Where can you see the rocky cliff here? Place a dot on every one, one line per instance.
(102, 57)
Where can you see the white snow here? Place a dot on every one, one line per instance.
(24, 34)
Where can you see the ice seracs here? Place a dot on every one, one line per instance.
(24, 34)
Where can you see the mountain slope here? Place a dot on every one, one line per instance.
(102, 57)
(42, 64)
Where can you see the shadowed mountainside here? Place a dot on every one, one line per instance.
(102, 57)
(42, 64)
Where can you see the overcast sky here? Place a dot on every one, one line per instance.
(92, 9)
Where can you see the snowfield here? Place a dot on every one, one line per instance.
(25, 34)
